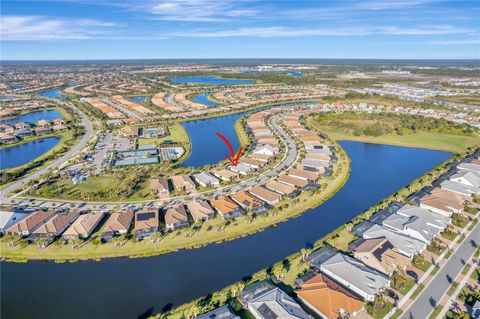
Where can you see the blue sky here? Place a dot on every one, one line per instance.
(109, 29)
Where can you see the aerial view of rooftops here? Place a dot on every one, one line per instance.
(240, 159)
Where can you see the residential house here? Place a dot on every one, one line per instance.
(412, 226)
(29, 224)
(206, 179)
(83, 226)
(58, 121)
(444, 202)
(303, 174)
(176, 217)
(146, 222)
(160, 187)
(55, 225)
(355, 275)
(281, 188)
(465, 182)
(249, 203)
(59, 128)
(292, 181)
(225, 174)
(406, 245)
(379, 254)
(40, 130)
(268, 196)
(200, 210)
(10, 216)
(7, 129)
(7, 138)
(240, 169)
(226, 207)
(183, 183)
(268, 301)
(432, 219)
(472, 167)
(22, 126)
(266, 150)
(117, 224)
(23, 133)
(224, 312)
(329, 299)
(251, 163)
(43, 123)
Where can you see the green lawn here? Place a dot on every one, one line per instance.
(417, 291)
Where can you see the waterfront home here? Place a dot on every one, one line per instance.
(412, 226)
(241, 169)
(200, 210)
(260, 157)
(266, 150)
(320, 157)
(319, 256)
(292, 181)
(40, 130)
(43, 123)
(406, 245)
(268, 196)
(146, 222)
(432, 219)
(83, 226)
(59, 128)
(22, 126)
(379, 254)
(29, 224)
(444, 202)
(281, 188)
(55, 225)
(268, 141)
(58, 121)
(265, 301)
(7, 129)
(176, 217)
(329, 299)
(183, 183)
(468, 178)
(318, 165)
(9, 216)
(249, 203)
(224, 312)
(7, 138)
(251, 163)
(206, 179)
(225, 174)
(23, 133)
(226, 207)
(355, 275)
(117, 224)
(472, 167)
(159, 186)
(303, 174)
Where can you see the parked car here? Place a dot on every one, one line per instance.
(412, 274)
(392, 295)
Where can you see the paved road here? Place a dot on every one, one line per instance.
(288, 161)
(58, 162)
(431, 295)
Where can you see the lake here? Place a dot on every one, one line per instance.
(292, 73)
(139, 99)
(210, 80)
(202, 98)
(33, 117)
(19, 155)
(53, 93)
(135, 288)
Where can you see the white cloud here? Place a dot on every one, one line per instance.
(266, 32)
(456, 42)
(39, 28)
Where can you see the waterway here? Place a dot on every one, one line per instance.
(135, 288)
(33, 117)
(53, 93)
(210, 80)
(139, 99)
(202, 98)
(292, 73)
(22, 154)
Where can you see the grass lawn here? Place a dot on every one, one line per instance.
(417, 291)
(241, 133)
(463, 99)
(408, 285)
(380, 313)
(436, 141)
(436, 312)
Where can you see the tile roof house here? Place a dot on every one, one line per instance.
(183, 182)
(160, 187)
(268, 196)
(266, 301)
(355, 275)
(146, 222)
(444, 202)
(200, 210)
(55, 225)
(28, 225)
(225, 174)
(292, 181)
(249, 202)
(281, 188)
(226, 207)
(83, 226)
(380, 254)
(175, 217)
(406, 245)
(329, 299)
(303, 174)
(117, 224)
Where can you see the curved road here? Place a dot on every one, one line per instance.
(58, 162)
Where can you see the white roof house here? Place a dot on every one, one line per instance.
(469, 167)
(10, 217)
(223, 312)
(266, 150)
(275, 303)
(355, 275)
(406, 245)
(432, 219)
(411, 226)
(206, 179)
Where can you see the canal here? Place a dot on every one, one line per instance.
(135, 288)
(33, 117)
(209, 80)
(18, 155)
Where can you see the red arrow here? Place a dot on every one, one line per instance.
(233, 159)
